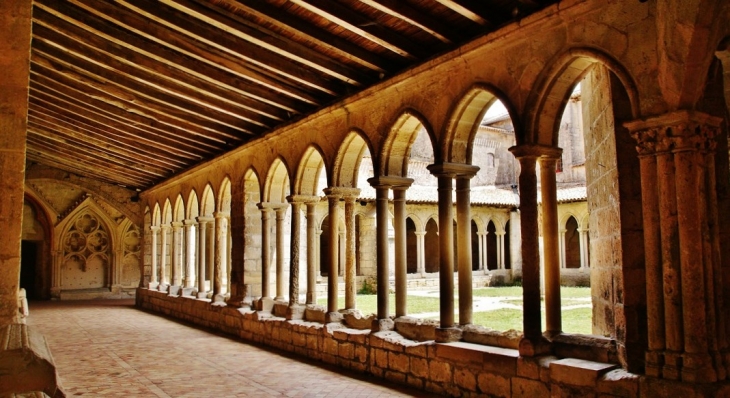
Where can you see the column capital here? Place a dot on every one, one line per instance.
(536, 151)
(302, 199)
(266, 206)
(675, 131)
(165, 227)
(221, 214)
(205, 219)
(390, 182)
(189, 222)
(177, 224)
(453, 170)
(419, 233)
(154, 228)
(342, 192)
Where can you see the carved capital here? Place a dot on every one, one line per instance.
(675, 132)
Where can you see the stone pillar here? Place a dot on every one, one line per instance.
(350, 255)
(15, 37)
(561, 246)
(682, 259)
(381, 244)
(210, 261)
(177, 252)
(421, 252)
(482, 249)
(294, 311)
(280, 213)
(333, 200)
(583, 243)
(463, 240)
(265, 250)
(221, 256)
(164, 282)
(401, 249)
(312, 252)
(189, 253)
(532, 325)
(500, 248)
(202, 254)
(155, 230)
(551, 252)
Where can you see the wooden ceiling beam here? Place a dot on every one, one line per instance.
(319, 37)
(124, 92)
(36, 155)
(363, 26)
(401, 10)
(89, 151)
(247, 52)
(65, 118)
(190, 151)
(69, 157)
(277, 44)
(104, 143)
(261, 93)
(464, 8)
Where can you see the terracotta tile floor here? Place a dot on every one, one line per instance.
(110, 349)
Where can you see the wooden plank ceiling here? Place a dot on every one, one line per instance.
(131, 92)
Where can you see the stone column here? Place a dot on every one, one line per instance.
(420, 252)
(401, 248)
(221, 256)
(500, 247)
(551, 252)
(381, 244)
(190, 253)
(333, 200)
(312, 252)
(155, 230)
(15, 37)
(583, 247)
(280, 212)
(482, 249)
(265, 250)
(295, 311)
(527, 155)
(350, 255)
(463, 240)
(682, 256)
(177, 246)
(164, 282)
(202, 254)
(210, 261)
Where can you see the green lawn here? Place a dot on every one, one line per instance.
(575, 320)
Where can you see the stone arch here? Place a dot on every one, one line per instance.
(432, 245)
(554, 86)
(145, 266)
(178, 213)
(491, 245)
(465, 118)
(156, 215)
(572, 242)
(277, 182)
(224, 195)
(207, 202)
(309, 173)
(37, 238)
(167, 212)
(130, 273)
(396, 149)
(348, 161)
(193, 208)
(252, 230)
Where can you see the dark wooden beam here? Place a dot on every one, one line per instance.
(401, 10)
(363, 26)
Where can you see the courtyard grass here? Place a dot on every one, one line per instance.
(575, 320)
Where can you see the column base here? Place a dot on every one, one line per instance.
(188, 292)
(534, 347)
(331, 317)
(448, 335)
(163, 287)
(219, 299)
(174, 290)
(295, 312)
(654, 363)
(202, 295)
(381, 325)
(697, 368)
(153, 285)
(265, 304)
(672, 365)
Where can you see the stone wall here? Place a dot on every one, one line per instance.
(455, 369)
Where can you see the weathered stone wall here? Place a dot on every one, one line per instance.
(454, 369)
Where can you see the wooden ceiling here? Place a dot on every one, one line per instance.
(131, 92)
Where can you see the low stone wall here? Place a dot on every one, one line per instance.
(455, 369)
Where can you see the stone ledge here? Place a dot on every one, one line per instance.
(578, 372)
(492, 359)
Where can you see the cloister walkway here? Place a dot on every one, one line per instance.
(111, 349)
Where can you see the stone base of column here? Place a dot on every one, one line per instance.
(265, 304)
(672, 365)
(533, 348)
(153, 285)
(448, 335)
(202, 295)
(188, 292)
(280, 299)
(331, 317)
(163, 287)
(381, 325)
(239, 302)
(355, 319)
(654, 363)
(174, 290)
(697, 368)
(295, 312)
(219, 299)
